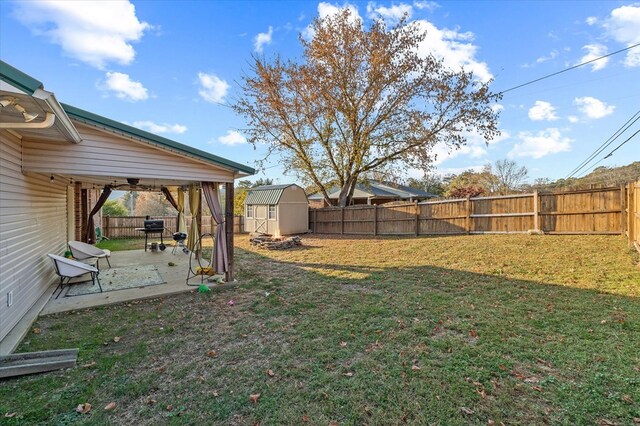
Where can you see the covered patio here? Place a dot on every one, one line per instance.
(59, 165)
(171, 280)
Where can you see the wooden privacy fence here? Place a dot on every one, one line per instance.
(115, 227)
(592, 211)
(633, 213)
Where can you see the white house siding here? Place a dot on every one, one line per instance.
(104, 154)
(33, 222)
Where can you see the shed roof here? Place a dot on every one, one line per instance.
(266, 194)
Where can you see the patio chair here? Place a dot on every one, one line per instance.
(68, 269)
(83, 251)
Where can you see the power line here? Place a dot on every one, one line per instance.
(606, 143)
(569, 69)
(611, 153)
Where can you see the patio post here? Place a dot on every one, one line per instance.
(228, 218)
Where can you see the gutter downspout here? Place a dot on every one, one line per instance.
(51, 101)
(48, 122)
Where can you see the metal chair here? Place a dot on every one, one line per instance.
(83, 251)
(68, 269)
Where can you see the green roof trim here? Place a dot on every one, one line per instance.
(95, 119)
(18, 79)
(266, 194)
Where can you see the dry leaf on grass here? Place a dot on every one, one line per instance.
(305, 418)
(169, 407)
(254, 397)
(212, 353)
(83, 408)
(415, 367)
(151, 401)
(89, 364)
(627, 398)
(110, 406)
(636, 420)
(605, 422)
(270, 373)
(10, 415)
(466, 410)
(116, 339)
(37, 331)
(343, 344)
(473, 334)
(349, 374)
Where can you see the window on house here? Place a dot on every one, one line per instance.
(272, 212)
(250, 211)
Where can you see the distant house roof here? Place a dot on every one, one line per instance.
(31, 86)
(378, 189)
(266, 194)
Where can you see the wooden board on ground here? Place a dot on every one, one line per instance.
(37, 362)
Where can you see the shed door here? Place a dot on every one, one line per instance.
(261, 219)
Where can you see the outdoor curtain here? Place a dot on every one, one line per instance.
(169, 197)
(221, 255)
(182, 224)
(178, 205)
(90, 235)
(194, 230)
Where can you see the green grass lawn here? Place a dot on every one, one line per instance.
(451, 330)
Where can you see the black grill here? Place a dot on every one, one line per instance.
(154, 226)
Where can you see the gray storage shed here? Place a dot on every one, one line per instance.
(277, 210)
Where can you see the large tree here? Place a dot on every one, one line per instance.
(361, 99)
(507, 176)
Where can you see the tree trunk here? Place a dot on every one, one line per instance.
(346, 192)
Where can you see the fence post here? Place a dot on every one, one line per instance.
(631, 212)
(417, 219)
(341, 220)
(468, 222)
(315, 221)
(107, 227)
(536, 212)
(375, 220)
(623, 210)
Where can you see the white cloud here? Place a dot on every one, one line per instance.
(595, 51)
(232, 138)
(457, 170)
(573, 119)
(454, 47)
(476, 147)
(328, 9)
(95, 32)
(542, 110)
(390, 14)
(212, 88)
(593, 108)
(540, 144)
(591, 20)
(426, 5)
(160, 128)
(262, 39)
(124, 87)
(552, 55)
(624, 27)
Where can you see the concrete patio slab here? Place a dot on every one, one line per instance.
(175, 277)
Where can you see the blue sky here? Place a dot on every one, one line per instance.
(172, 67)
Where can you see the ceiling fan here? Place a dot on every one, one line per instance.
(133, 185)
